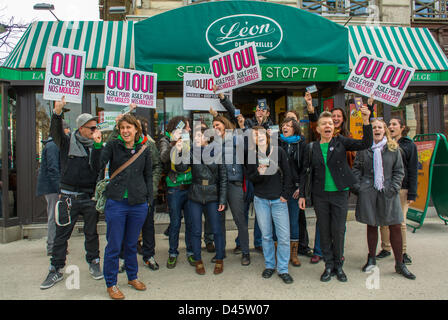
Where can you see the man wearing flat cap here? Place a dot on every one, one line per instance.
(79, 172)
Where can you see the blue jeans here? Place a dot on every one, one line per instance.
(293, 209)
(317, 250)
(277, 211)
(124, 223)
(178, 201)
(196, 209)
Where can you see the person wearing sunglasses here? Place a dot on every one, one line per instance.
(79, 161)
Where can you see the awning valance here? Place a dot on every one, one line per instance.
(412, 47)
(107, 43)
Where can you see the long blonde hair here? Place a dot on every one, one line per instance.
(392, 145)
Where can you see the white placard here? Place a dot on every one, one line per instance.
(64, 75)
(126, 86)
(236, 68)
(198, 93)
(384, 80)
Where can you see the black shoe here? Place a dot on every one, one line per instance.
(237, 250)
(406, 259)
(214, 259)
(305, 252)
(383, 254)
(326, 276)
(151, 263)
(286, 278)
(245, 259)
(401, 268)
(341, 275)
(371, 263)
(267, 273)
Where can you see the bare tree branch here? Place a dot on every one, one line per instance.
(11, 35)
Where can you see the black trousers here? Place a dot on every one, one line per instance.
(86, 208)
(303, 233)
(331, 211)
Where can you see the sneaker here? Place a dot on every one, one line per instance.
(267, 273)
(315, 259)
(122, 266)
(152, 264)
(214, 258)
(191, 261)
(406, 259)
(383, 254)
(305, 252)
(95, 269)
(171, 263)
(210, 247)
(53, 277)
(286, 278)
(237, 250)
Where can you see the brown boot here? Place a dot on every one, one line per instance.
(200, 267)
(115, 293)
(294, 259)
(219, 267)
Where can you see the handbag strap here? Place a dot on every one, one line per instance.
(128, 163)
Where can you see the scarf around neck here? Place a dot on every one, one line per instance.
(290, 139)
(78, 143)
(378, 172)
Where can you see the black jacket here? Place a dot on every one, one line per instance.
(273, 186)
(136, 178)
(78, 174)
(336, 161)
(295, 152)
(209, 182)
(409, 156)
(49, 170)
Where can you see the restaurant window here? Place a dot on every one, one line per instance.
(413, 109)
(44, 110)
(12, 160)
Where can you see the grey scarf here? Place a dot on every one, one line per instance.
(77, 144)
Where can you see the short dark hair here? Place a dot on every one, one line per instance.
(295, 125)
(402, 124)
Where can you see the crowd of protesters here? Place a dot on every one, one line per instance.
(234, 163)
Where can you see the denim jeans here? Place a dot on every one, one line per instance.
(277, 211)
(124, 222)
(196, 209)
(317, 250)
(51, 198)
(178, 201)
(293, 210)
(249, 198)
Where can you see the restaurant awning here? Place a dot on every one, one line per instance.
(107, 43)
(412, 47)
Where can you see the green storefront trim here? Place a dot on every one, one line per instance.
(174, 72)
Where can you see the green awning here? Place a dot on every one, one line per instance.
(107, 43)
(412, 47)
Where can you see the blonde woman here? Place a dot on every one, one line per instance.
(380, 173)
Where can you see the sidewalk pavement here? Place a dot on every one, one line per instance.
(24, 265)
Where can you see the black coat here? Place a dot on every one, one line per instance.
(209, 182)
(336, 162)
(49, 170)
(78, 174)
(295, 152)
(410, 161)
(136, 178)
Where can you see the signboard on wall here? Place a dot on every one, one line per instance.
(126, 86)
(383, 80)
(199, 95)
(64, 75)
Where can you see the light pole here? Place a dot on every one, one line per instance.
(45, 6)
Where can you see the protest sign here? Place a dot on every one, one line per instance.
(236, 68)
(383, 80)
(106, 120)
(356, 121)
(126, 86)
(64, 75)
(198, 93)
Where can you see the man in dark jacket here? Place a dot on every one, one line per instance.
(48, 185)
(79, 172)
